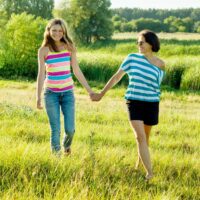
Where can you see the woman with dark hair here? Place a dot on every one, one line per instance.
(56, 57)
(145, 72)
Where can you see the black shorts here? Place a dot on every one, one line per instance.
(145, 111)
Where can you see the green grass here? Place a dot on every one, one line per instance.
(162, 35)
(103, 150)
(101, 59)
(179, 51)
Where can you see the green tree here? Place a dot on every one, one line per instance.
(3, 19)
(197, 27)
(89, 20)
(116, 18)
(184, 18)
(195, 15)
(147, 23)
(170, 22)
(19, 41)
(41, 8)
(117, 26)
(178, 24)
(188, 24)
(128, 26)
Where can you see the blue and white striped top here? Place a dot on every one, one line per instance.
(144, 78)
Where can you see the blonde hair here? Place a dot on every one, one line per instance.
(48, 41)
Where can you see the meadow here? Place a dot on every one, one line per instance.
(104, 152)
(180, 51)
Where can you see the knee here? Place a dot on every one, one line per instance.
(140, 138)
(70, 132)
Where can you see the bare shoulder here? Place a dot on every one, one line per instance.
(73, 48)
(43, 51)
(160, 63)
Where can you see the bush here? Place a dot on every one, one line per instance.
(100, 67)
(173, 49)
(191, 79)
(20, 41)
(174, 74)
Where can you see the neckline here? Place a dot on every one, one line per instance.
(151, 63)
(55, 52)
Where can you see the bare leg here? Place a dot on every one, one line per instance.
(143, 150)
(147, 130)
(137, 164)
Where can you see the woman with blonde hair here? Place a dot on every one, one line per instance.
(56, 57)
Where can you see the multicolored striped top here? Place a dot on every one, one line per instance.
(144, 78)
(58, 73)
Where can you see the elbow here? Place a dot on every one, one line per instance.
(41, 76)
(116, 78)
(76, 72)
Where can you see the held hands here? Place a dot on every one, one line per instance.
(96, 96)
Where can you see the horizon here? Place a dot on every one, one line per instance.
(150, 4)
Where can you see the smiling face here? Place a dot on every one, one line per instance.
(143, 46)
(56, 32)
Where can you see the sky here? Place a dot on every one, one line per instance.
(145, 4)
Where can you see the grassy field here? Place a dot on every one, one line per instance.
(180, 51)
(101, 59)
(177, 36)
(103, 152)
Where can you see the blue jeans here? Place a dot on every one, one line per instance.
(54, 102)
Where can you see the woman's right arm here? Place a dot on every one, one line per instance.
(112, 82)
(41, 75)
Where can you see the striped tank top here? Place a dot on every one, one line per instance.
(144, 78)
(58, 73)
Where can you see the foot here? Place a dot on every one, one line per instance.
(137, 164)
(149, 177)
(67, 151)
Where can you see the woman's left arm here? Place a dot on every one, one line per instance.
(78, 73)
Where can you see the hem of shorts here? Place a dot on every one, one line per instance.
(141, 99)
(151, 124)
(148, 124)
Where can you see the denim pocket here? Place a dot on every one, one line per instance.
(47, 91)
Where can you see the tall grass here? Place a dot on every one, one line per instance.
(101, 59)
(103, 151)
(191, 78)
(162, 35)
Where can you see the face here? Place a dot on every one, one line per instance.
(143, 46)
(56, 32)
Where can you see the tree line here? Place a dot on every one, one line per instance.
(23, 22)
(91, 20)
(165, 20)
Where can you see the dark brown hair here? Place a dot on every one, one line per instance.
(152, 39)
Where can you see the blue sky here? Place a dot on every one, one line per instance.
(163, 4)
